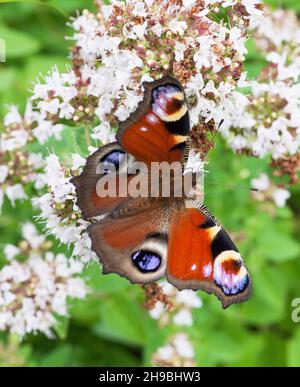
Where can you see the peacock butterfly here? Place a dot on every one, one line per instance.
(146, 238)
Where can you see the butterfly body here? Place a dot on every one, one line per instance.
(147, 237)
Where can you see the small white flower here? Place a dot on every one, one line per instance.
(168, 289)
(183, 346)
(157, 29)
(238, 40)
(177, 27)
(32, 236)
(49, 106)
(104, 133)
(177, 352)
(17, 139)
(139, 9)
(194, 162)
(15, 192)
(78, 161)
(183, 318)
(188, 3)
(11, 251)
(166, 353)
(189, 298)
(3, 173)
(262, 183)
(66, 110)
(12, 116)
(179, 51)
(36, 160)
(157, 311)
(45, 129)
(280, 196)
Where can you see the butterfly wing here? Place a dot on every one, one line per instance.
(98, 167)
(158, 129)
(134, 245)
(143, 239)
(201, 255)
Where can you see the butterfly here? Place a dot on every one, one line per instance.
(147, 238)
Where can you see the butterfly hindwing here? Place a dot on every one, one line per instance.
(205, 258)
(133, 245)
(159, 128)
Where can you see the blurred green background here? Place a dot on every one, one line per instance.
(111, 327)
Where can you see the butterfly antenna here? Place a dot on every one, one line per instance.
(233, 186)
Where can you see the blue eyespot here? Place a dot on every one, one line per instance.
(146, 261)
(111, 161)
(165, 90)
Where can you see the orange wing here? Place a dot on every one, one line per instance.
(158, 129)
(201, 255)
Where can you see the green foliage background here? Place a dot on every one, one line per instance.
(111, 327)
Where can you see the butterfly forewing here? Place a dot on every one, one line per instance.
(159, 128)
(98, 166)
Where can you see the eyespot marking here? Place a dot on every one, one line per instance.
(230, 273)
(168, 103)
(113, 159)
(146, 261)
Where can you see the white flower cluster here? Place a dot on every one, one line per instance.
(131, 41)
(178, 352)
(253, 14)
(18, 166)
(269, 123)
(278, 31)
(32, 243)
(182, 304)
(269, 191)
(59, 210)
(21, 129)
(33, 291)
(53, 97)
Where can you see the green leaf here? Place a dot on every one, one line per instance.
(268, 300)
(60, 356)
(71, 5)
(293, 353)
(18, 44)
(274, 351)
(39, 3)
(278, 246)
(82, 140)
(7, 78)
(105, 284)
(121, 320)
(61, 326)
